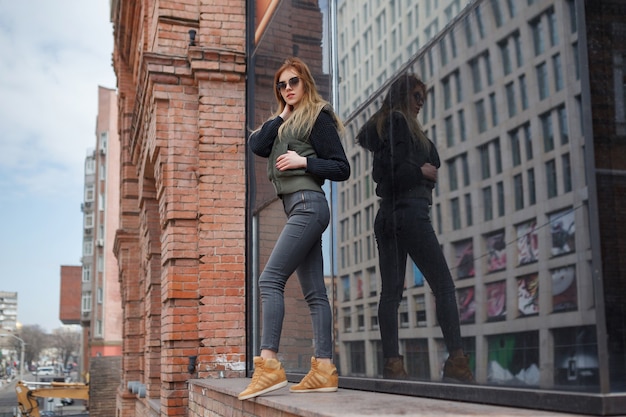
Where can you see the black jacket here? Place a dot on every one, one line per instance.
(398, 159)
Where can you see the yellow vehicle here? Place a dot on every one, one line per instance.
(29, 392)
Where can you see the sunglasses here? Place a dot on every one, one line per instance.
(418, 98)
(292, 83)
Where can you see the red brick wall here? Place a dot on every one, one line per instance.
(181, 242)
(70, 303)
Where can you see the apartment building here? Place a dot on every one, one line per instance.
(8, 310)
(101, 312)
(511, 206)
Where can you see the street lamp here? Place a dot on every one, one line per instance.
(21, 355)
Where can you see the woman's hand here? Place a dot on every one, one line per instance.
(290, 160)
(429, 171)
(286, 112)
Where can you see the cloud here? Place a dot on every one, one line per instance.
(55, 54)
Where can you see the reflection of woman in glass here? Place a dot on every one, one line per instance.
(303, 148)
(405, 171)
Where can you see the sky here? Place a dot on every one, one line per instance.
(53, 57)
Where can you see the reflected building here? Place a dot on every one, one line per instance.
(511, 207)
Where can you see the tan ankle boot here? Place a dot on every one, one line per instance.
(394, 368)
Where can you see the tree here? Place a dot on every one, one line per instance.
(35, 339)
(67, 343)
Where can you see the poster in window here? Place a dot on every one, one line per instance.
(528, 294)
(562, 232)
(513, 359)
(527, 243)
(418, 277)
(464, 252)
(564, 292)
(496, 300)
(496, 252)
(467, 305)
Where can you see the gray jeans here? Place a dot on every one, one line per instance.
(299, 249)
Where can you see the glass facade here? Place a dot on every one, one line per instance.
(516, 207)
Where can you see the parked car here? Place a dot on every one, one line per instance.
(45, 371)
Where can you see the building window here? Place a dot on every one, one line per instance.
(497, 12)
(516, 157)
(494, 109)
(455, 207)
(551, 178)
(469, 32)
(552, 26)
(466, 171)
(447, 92)
(458, 87)
(443, 52)
(86, 302)
(547, 131)
(506, 56)
(452, 175)
(88, 221)
(88, 248)
(500, 192)
(538, 37)
(487, 204)
(523, 91)
(542, 81)
(518, 187)
(510, 99)
(497, 153)
(439, 223)
(567, 173)
(468, 210)
(476, 79)
(528, 140)
(86, 273)
(478, 12)
(481, 116)
(98, 328)
(519, 54)
(403, 314)
(89, 192)
(563, 130)
(512, 9)
(420, 310)
(532, 197)
(90, 166)
(462, 131)
(558, 72)
(488, 70)
(449, 126)
(573, 23)
(483, 151)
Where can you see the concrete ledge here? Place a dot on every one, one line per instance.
(218, 398)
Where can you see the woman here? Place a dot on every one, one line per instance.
(405, 171)
(303, 148)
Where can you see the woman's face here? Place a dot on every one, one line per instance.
(291, 87)
(416, 99)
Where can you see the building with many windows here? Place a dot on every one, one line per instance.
(100, 292)
(8, 310)
(511, 205)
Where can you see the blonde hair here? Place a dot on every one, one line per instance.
(304, 116)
